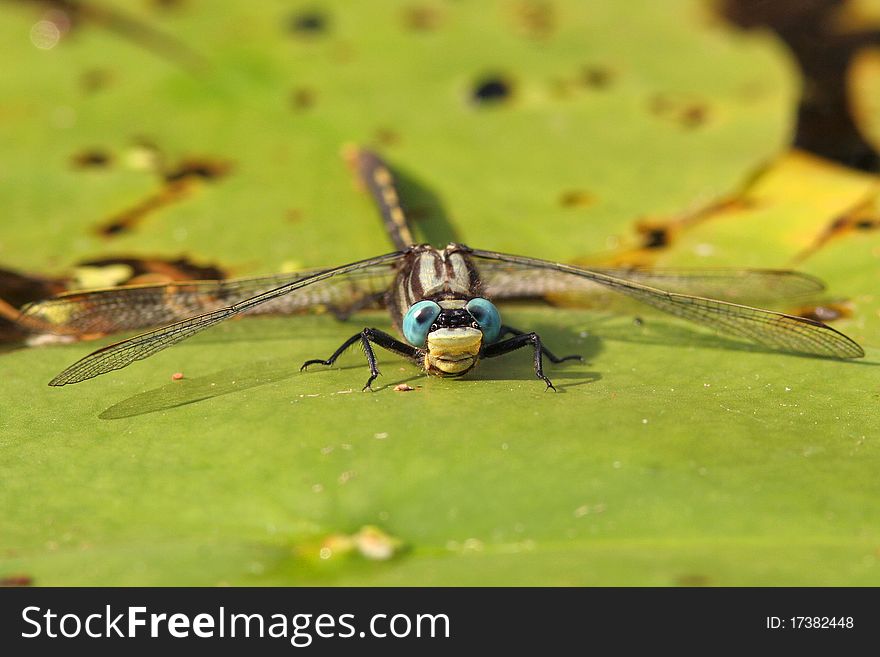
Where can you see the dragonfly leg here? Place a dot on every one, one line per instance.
(366, 337)
(517, 342)
(549, 354)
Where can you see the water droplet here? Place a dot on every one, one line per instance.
(45, 35)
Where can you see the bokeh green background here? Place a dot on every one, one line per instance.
(671, 457)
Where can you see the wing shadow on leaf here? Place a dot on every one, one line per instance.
(238, 379)
(191, 391)
(516, 366)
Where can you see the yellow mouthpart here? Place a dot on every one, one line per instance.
(453, 351)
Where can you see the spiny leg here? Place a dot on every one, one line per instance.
(365, 337)
(549, 354)
(517, 342)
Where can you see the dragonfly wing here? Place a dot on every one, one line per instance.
(375, 274)
(751, 286)
(145, 306)
(735, 285)
(766, 327)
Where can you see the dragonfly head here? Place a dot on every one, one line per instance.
(452, 332)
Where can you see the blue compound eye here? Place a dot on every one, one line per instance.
(417, 322)
(486, 314)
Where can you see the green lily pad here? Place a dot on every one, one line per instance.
(670, 457)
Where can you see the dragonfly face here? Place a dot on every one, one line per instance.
(451, 332)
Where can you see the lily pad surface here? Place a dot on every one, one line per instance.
(671, 456)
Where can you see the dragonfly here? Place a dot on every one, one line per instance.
(441, 302)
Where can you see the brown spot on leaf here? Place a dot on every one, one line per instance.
(596, 77)
(94, 158)
(158, 270)
(95, 79)
(178, 184)
(203, 168)
(694, 116)
(421, 18)
(492, 90)
(657, 233)
(386, 137)
(654, 237)
(576, 198)
(303, 98)
(16, 580)
(129, 218)
(693, 579)
(688, 113)
(308, 23)
(826, 312)
(863, 216)
(535, 18)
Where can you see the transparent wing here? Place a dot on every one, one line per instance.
(145, 306)
(735, 285)
(778, 330)
(374, 275)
